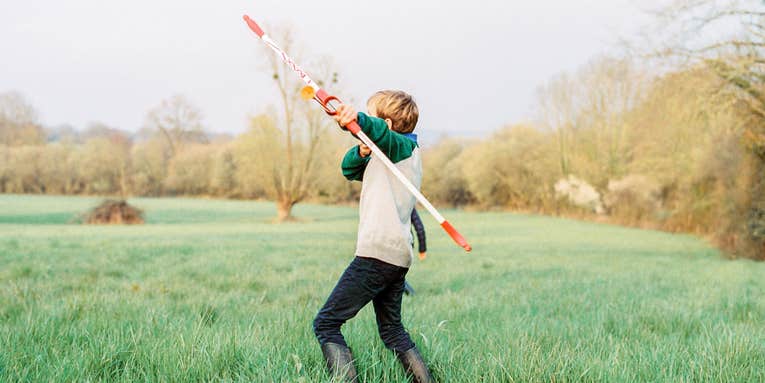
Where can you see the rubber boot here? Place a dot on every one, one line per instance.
(415, 366)
(339, 362)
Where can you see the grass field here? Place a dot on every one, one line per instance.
(209, 290)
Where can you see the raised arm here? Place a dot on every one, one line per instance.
(354, 164)
(396, 146)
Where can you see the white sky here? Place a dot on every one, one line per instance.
(473, 66)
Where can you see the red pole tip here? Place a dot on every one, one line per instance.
(253, 25)
(456, 236)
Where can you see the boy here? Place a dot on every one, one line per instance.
(383, 249)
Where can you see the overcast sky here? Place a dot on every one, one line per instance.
(473, 66)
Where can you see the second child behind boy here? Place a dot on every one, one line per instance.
(383, 248)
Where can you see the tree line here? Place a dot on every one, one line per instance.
(171, 156)
(671, 137)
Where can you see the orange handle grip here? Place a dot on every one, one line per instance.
(353, 127)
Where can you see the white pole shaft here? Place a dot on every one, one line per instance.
(401, 177)
(287, 60)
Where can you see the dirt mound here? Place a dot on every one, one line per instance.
(117, 212)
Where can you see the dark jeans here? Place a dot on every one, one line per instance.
(366, 279)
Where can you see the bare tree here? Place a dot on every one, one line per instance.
(729, 37)
(18, 121)
(178, 121)
(559, 111)
(587, 112)
(611, 89)
(302, 128)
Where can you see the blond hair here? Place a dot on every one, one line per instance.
(398, 106)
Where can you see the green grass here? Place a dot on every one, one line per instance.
(209, 290)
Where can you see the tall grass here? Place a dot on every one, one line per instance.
(212, 291)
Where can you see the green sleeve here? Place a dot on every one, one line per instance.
(354, 164)
(396, 146)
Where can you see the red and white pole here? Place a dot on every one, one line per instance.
(324, 99)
